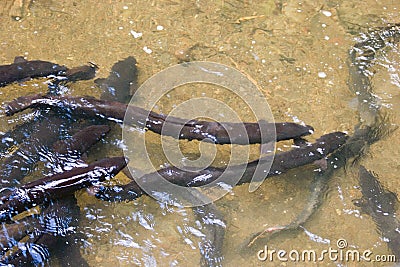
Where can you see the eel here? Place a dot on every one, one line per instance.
(121, 83)
(213, 229)
(281, 163)
(58, 185)
(353, 147)
(15, 136)
(22, 131)
(37, 135)
(208, 131)
(380, 204)
(65, 150)
(212, 226)
(11, 234)
(43, 133)
(23, 69)
(373, 127)
(81, 141)
(56, 227)
(20, 70)
(52, 220)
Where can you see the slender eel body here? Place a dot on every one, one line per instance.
(380, 204)
(281, 163)
(81, 141)
(53, 228)
(219, 133)
(58, 185)
(28, 69)
(53, 234)
(371, 129)
(22, 69)
(43, 133)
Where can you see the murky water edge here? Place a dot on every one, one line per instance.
(296, 51)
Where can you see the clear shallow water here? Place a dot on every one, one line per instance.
(295, 51)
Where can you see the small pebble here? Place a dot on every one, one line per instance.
(322, 74)
(326, 13)
(136, 34)
(147, 50)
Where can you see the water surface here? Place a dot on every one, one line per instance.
(295, 51)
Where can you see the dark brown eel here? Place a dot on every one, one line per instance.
(22, 69)
(57, 186)
(191, 130)
(28, 69)
(361, 57)
(48, 231)
(281, 162)
(380, 204)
